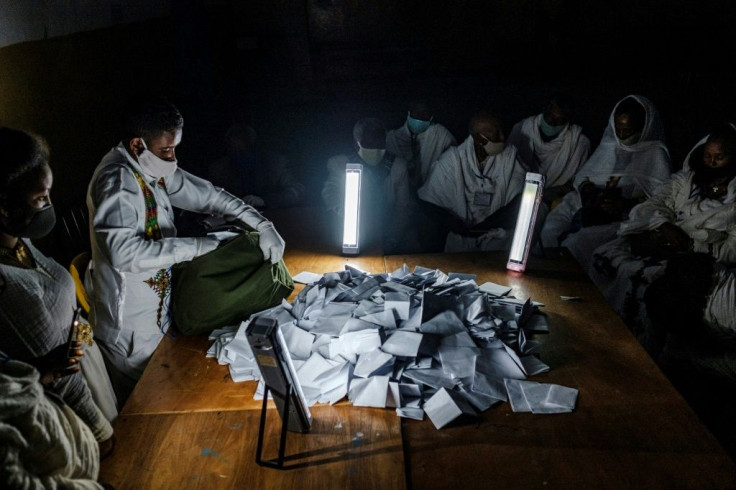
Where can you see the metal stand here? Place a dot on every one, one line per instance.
(279, 463)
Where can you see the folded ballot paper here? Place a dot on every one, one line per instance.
(420, 342)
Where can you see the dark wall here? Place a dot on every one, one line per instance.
(302, 72)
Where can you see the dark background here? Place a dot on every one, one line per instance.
(302, 72)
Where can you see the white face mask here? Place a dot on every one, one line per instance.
(371, 156)
(492, 148)
(631, 140)
(154, 166)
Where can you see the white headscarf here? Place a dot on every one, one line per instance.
(642, 166)
(686, 163)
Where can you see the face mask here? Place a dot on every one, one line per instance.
(417, 126)
(371, 156)
(154, 166)
(492, 148)
(631, 140)
(30, 222)
(548, 130)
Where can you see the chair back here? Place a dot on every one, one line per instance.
(77, 269)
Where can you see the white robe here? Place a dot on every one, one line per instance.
(642, 168)
(558, 159)
(711, 223)
(432, 143)
(45, 444)
(454, 181)
(124, 307)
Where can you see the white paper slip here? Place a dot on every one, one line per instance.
(306, 277)
(494, 289)
(571, 298)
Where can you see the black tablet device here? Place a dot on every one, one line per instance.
(278, 372)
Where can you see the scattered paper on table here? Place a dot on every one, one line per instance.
(420, 341)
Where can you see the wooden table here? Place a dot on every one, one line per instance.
(187, 425)
(630, 429)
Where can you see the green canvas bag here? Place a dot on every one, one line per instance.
(225, 286)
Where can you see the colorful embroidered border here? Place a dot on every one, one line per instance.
(161, 282)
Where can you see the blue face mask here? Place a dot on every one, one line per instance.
(548, 130)
(417, 126)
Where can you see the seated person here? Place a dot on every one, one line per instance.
(386, 204)
(693, 212)
(37, 296)
(260, 177)
(551, 145)
(131, 201)
(628, 166)
(470, 193)
(420, 141)
(45, 444)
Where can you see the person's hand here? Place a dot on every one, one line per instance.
(673, 238)
(611, 204)
(61, 361)
(255, 201)
(270, 242)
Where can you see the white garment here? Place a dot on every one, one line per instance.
(711, 223)
(558, 159)
(44, 443)
(720, 310)
(642, 168)
(123, 259)
(432, 143)
(456, 182)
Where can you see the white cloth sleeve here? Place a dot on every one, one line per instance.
(655, 211)
(116, 223)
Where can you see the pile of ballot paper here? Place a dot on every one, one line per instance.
(419, 341)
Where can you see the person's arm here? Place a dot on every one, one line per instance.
(192, 193)
(723, 250)
(659, 209)
(118, 203)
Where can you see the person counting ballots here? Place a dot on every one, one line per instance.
(131, 200)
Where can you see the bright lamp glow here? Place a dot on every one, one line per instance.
(530, 199)
(353, 173)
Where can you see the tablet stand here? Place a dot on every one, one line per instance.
(279, 463)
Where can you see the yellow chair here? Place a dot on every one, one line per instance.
(77, 270)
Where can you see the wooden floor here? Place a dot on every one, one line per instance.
(187, 425)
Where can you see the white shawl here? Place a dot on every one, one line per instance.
(455, 178)
(44, 445)
(642, 166)
(559, 159)
(432, 143)
(711, 223)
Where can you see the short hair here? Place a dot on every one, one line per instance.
(21, 155)
(634, 110)
(371, 127)
(481, 116)
(149, 117)
(564, 102)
